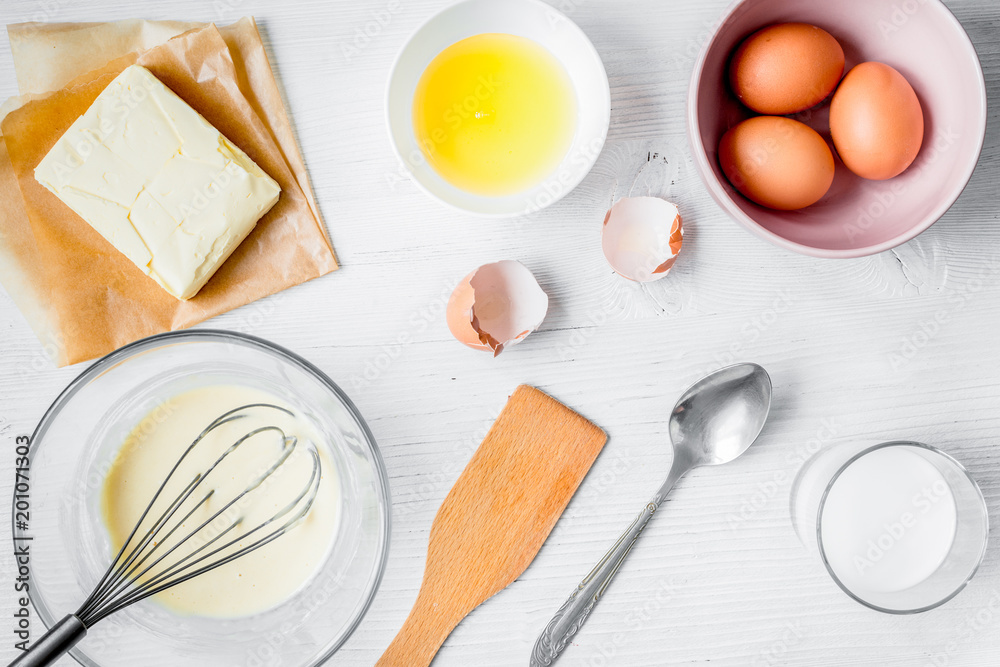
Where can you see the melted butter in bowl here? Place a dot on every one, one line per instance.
(257, 581)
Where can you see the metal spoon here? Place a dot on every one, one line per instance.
(714, 422)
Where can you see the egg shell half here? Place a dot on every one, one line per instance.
(876, 122)
(496, 306)
(642, 237)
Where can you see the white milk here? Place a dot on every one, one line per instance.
(888, 522)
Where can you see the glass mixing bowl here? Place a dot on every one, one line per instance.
(72, 450)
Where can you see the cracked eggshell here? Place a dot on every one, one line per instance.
(642, 237)
(496, 306)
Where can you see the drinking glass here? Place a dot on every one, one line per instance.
(866, 473)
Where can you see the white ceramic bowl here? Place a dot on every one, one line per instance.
(526, 18)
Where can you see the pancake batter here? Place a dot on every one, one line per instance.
(256, 581)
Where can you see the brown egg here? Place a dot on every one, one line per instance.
(876, 122)
(786, 68)
(777, 162)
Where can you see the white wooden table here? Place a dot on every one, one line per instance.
(719, 576)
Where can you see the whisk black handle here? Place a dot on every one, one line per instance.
(63, 636)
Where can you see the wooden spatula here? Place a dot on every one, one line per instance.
(496, 517)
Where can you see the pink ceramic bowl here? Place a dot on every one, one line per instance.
(921, 39)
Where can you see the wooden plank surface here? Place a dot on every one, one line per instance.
(719, 575)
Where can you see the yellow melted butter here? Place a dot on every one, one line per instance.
(494, 114)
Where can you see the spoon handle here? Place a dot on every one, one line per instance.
(574, 612)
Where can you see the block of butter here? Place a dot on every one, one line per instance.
(160, 183)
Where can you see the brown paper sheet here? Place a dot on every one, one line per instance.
(47, 56)
(27, 286)
(97, 300)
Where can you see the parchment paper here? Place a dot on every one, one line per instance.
(96, 299)
(47, 56)
(25, 283)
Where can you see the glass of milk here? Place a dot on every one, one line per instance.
(900, 526)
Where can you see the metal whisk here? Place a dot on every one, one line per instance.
(142, 568)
